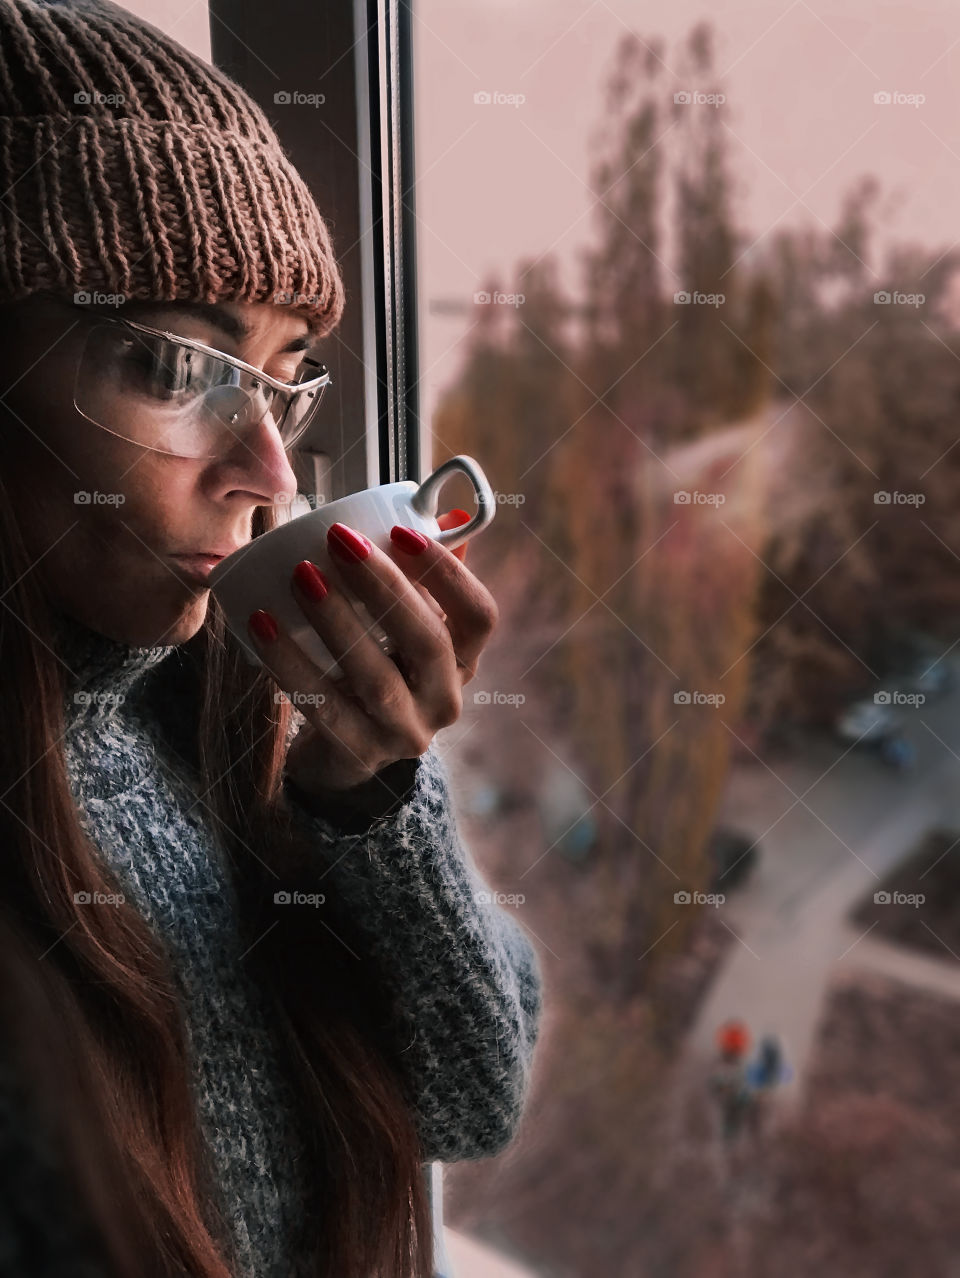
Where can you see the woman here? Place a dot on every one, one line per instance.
(249, 978)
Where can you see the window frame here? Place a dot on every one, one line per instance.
(361, 173)
(356, 154)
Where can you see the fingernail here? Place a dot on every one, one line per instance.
(349, 545)
(310, 580)
(408, 539)
(263, 625)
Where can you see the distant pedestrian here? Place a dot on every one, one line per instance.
(727, 1082)
(768, 1070)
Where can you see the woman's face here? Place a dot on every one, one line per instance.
(110, 562)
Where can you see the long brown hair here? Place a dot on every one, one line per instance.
(93, 990)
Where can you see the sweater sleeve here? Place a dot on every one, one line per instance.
(463, 977)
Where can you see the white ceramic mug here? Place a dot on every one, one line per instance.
(259, 575)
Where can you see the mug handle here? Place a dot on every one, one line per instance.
(425, 500)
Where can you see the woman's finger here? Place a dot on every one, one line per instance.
(471, 611)
(324, 703)
(453, 519)
(370, 675)
(419, 633)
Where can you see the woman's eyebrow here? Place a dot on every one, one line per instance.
(229, 324)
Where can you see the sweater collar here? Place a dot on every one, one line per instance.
(101, 674)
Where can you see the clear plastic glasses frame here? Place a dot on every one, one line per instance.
(176, 395)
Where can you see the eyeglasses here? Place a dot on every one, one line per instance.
(178, 396)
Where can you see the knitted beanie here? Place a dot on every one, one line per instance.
(130, 167)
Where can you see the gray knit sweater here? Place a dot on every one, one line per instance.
(461, 970)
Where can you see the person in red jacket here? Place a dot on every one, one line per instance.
(728, 1082)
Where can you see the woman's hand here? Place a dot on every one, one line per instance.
(439, 617)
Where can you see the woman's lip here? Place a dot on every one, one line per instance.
(197, 567)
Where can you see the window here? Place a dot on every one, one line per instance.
(338, 89)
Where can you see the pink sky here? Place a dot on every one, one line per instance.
(497, 182)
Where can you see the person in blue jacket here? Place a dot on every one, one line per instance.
(767, 1071)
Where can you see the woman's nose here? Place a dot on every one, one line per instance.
(258, 462)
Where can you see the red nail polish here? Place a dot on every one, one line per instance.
(349, 545)
(263, 625)
(408, 539)
(310, 580)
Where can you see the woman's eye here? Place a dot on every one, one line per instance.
(161, 375)
(286, 372)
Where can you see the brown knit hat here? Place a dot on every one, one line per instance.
(129, 166)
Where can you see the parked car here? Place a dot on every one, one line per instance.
(917, 663)
(878, 727)
(733, 858)
(932, 678)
